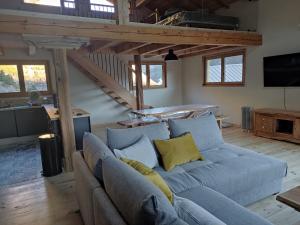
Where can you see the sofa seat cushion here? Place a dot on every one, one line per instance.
(226, 210)
(122, 138)
(235, 169)
(227, 169)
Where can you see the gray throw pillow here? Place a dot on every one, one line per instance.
(142, 151)
(204, 129)
(94, 151)
(136, 198)
(194, 214)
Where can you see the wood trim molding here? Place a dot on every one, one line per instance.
(222, 56)
(19, 64)
(148, 63)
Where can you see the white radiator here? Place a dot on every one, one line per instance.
(247, 116)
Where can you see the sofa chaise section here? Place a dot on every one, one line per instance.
(239, 173)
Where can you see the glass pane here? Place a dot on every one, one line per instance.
(69, 4)
(35, 78)
(156, 75)
(144, 75)
(102, 6)
(234, 68)
(214, 70)
(9, 79)
(101, 2)
(44, 2)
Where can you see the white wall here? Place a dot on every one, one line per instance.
(278, 21)
(88, 96)
(172, 95)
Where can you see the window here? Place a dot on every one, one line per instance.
(225, 69)
(102, 6)
(153, 75)
(66, 3)
(69, 4)
(44, 2)
(18, 78)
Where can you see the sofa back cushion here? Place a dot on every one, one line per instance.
(122, 138)
(204, 129)
(136, 198)
(194, 214)
(94, 151)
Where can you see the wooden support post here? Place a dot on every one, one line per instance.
(65, 108)
(139, 82)
(123, 11)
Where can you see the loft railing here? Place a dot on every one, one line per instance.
(115, 68)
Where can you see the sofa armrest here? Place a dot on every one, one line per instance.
(104, 210)
(85, 184)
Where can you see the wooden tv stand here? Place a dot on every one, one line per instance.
(277, 124)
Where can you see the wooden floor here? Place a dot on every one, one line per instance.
(51, 201)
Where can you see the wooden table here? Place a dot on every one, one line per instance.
(291, 198)
(165, 112)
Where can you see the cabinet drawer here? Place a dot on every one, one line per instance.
(264, 123)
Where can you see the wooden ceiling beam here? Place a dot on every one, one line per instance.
(31, 24)
(141, 3)
(124, 48)
(220, 49)
(176, 48)
(222, 3)
(151, 48)
(98, 45)
(199, 49)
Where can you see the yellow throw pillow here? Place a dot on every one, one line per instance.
(153, 176)
(178, 151)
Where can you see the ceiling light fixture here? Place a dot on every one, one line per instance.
(171, 56)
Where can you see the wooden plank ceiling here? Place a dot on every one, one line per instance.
(145, 10)
(148, 50)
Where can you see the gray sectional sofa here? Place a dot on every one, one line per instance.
(228, 179)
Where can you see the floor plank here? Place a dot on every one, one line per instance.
(49, 201)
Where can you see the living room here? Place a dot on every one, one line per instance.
(113, 78)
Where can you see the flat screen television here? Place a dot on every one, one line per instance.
(282, 71)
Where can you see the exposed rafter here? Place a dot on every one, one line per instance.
(222, 3)
(198, 50)
(151, 48)
(99, 45)
(220, 49)
(127, 47)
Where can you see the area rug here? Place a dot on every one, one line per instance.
(20, 164)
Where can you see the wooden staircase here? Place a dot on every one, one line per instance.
(109, 73)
